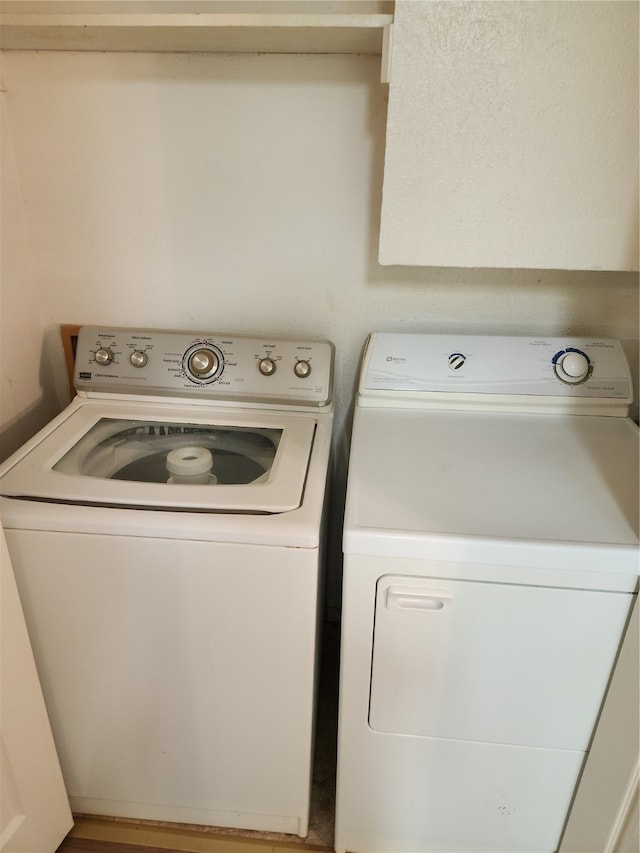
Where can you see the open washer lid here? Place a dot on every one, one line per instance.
(168, 457)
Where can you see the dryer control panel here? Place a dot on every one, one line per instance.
(563, 374)
(204, 365)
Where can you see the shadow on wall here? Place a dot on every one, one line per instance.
(55, 396)
(18, 430)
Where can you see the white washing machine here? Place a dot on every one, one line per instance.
(166, 533)
(491, 561)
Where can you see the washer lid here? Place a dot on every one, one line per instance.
(461, 480)
(122, 454)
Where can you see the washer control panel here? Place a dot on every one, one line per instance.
(204, 365)
(555, 368)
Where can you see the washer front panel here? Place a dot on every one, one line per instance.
(206, 365)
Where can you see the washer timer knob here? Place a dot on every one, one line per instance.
(104, 356)
(572, 366)
(203, 363)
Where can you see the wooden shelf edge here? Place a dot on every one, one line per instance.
(252, 33)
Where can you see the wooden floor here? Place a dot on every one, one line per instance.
(96, 835)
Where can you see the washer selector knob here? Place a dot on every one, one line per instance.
(203, 363)
(572, 366)
(302, 369)
(267, 366)
(139, 358)
(104, 356)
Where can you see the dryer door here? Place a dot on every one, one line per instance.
(122, 454)
(499, 663)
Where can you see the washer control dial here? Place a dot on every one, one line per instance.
(267, 366)
(139, 358)
(104, 355)
(203, 363)
(572, 366)
(302, 369)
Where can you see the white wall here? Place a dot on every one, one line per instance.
(27, 398)
(237, 193)
(512, 138)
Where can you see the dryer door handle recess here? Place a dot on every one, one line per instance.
(412, 599)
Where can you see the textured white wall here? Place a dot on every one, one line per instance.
(27, 386)
(237, 193)
(512, 138)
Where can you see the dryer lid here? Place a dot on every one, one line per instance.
(122, 454)
(474, 484)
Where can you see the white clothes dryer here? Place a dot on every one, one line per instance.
(491, 561)
(166, 531)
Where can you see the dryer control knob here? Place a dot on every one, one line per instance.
(572, 366)
(457, 360)
(267, 366)
(104, 356)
